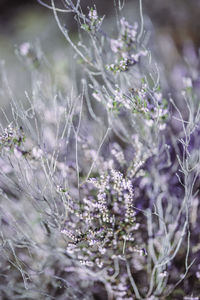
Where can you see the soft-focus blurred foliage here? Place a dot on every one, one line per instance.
(175, 24)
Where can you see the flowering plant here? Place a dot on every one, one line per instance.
(99, 189)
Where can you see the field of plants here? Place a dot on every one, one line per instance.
(100, 162)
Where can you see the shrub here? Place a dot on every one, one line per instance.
(99, 193)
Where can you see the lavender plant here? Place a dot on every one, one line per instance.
(99, 197)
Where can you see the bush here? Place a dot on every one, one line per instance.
(99, 185)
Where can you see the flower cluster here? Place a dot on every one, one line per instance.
(103, 228)
(143, 101)
(126, 39)
(125, 48)
(121, 65)
(11, 138)
(93, 23)
(151, 104)
(118, 154)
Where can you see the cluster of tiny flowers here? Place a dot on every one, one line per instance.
(121, 65)
(11, 138)
(151, 105)
(127, 36)
(141, 100)
(160, 110)
(128, 197)
(118, 154)
(118, 100)
(117, 178)
(128, 32)
(136, 167)
(102, 185)
(103, 207)
(123, 48)
(97, 231)
(93, 15)
(69, 234)
(94, 21)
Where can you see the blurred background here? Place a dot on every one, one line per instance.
(27, 19)
(173, 25)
